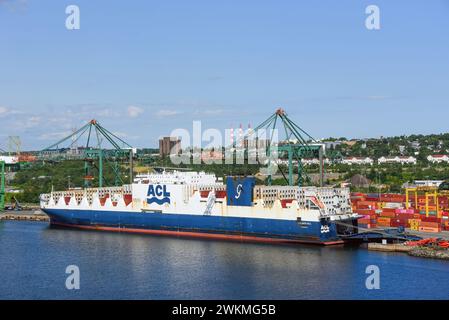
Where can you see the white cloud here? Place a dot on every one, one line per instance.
(3, 111)
(134, 112)
(14, 5)
(167, 113)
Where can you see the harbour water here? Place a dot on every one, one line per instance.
(34, 257)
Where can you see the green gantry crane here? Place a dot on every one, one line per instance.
(92, 154)
(297, 145)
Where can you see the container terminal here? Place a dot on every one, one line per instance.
(196, 204)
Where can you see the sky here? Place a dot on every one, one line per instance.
(145, 68)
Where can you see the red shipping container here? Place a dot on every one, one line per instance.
(430, 219)
(365, 212)
(388, 214)
(398, 222)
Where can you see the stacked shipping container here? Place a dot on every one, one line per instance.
(389, 210)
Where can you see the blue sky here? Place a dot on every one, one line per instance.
(144, 68)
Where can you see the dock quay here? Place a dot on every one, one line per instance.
(422, 234)
(388, 247)
(29, 215)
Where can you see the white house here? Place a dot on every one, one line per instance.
(316, 161)
(358, 160)
(283, 162)
(438, 158)
(397, 159)
(310, 161)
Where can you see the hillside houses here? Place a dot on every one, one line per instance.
(438, 158)
(358, 161)
(397, 159)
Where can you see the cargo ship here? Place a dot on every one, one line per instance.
(198, 204)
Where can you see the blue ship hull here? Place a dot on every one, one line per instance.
(189, 225)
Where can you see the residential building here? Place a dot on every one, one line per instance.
(212, 155)
(311, 161)
(358, 161)
(397, 159)
(438, 158)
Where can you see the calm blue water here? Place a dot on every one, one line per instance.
(33, 259)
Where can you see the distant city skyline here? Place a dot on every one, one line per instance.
(146, 68)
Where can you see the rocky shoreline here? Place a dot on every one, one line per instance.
(425, 252)
(418, 251)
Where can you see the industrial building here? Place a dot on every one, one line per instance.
(169, 145)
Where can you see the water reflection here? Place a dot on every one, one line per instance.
(124, 266)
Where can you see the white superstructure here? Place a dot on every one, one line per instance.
(178, 177)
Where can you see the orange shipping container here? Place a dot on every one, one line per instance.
(383, 222)
(429, 229)
(430, 224)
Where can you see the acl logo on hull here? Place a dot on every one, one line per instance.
(158, 194)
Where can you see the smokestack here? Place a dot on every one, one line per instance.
(241, 134)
